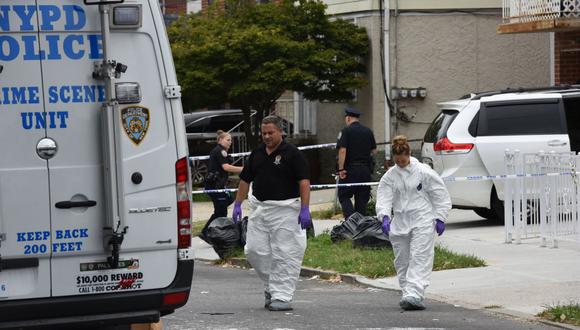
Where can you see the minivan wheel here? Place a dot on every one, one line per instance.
(497, 207)
(199, 171)
(485, 213)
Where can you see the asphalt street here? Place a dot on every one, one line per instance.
(231, 298)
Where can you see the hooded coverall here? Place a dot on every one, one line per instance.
(417, 196)
(275, 245)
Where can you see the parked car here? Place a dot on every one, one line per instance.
(470, 135)
(201, 128)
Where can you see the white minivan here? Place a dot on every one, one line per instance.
(469, 137)
(95, 206)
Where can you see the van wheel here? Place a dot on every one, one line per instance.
(485, 213)
(497, 207)
(198, 171)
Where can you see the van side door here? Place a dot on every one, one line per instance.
(24, 187)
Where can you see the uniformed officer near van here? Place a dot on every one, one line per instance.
(220, 163)
(356, 147)
(279, 213)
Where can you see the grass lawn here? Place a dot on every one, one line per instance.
(563, 313)
(200, 198)
(373, 263)
(343, 258)
(196, 227)
(323, 214)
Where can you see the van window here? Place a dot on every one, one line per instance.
(473, 125)
(439, 126)
(521, 119)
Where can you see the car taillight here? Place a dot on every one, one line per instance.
(183, 204)
(177, 298)
(444, 146)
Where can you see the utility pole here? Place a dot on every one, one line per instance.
(386, 72)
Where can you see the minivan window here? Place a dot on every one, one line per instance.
(198, 126)
(225, 123)
(572, 108)
(521, 119)
(439, 126)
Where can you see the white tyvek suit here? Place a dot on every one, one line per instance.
(417, 196)
(275, 245)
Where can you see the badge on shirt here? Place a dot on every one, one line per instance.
(277, 160)
(224, 153)
(419, 187)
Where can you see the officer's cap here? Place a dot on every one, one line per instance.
(352, 112)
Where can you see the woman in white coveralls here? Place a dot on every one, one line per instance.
(417, 199)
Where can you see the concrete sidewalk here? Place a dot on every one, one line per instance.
(520, 280)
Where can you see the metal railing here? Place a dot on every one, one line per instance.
(542, 199)
(522, 11)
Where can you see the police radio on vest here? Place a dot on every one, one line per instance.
(22, 18)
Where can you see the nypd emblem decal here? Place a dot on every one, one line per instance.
(135, 122)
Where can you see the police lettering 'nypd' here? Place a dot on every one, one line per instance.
(279, 213)
(220, 163)
(356, 145)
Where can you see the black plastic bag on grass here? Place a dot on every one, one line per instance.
(370, 234)
(223, 235)
(347, 229)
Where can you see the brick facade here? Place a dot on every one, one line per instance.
(175, 6)
(567, 57)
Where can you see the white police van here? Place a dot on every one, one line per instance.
(95, 206)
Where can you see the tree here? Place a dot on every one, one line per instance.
(247, 55)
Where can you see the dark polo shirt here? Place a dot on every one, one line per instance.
(276, 176)
(358, 140)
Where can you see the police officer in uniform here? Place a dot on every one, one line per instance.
(279, 213)
(220, 163)
(356, 145)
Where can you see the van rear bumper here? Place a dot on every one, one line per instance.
(96, 310)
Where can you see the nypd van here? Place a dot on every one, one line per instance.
(95, 206)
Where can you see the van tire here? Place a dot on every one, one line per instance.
(485, 213)
(199, 170)
(497, 207)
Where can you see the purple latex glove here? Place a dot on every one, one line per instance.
(439, 227)
(386, 224)
(237, 214)
(304, 217)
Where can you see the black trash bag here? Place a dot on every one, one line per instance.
(370, 234)
(347, 229)
(243, 230)
(223, 235)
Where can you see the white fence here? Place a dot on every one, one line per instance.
(521, 11)
(543, 200)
